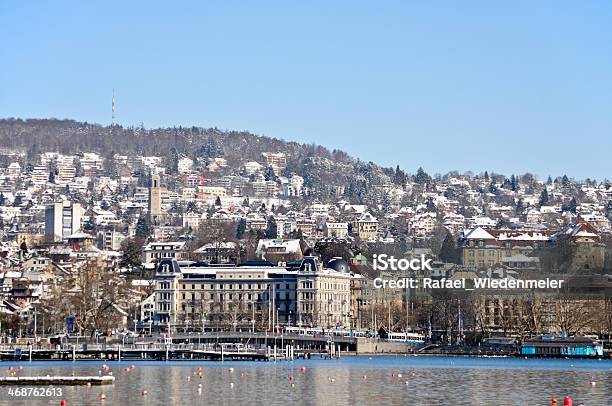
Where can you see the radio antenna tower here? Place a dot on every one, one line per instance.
(113, 109)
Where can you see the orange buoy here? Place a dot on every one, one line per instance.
(102, 396)
(365, 377)
(553, 402)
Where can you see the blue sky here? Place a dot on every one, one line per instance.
(508, 87)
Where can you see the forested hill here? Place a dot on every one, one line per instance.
(322, 169)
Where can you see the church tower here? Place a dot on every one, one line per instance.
(155, 210)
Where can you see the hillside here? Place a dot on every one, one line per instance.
(324, 171)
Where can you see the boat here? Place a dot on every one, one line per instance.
(562, 346)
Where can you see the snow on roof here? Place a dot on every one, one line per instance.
(221, 245)
(479, 233)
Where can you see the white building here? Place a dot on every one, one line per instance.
(62, 219)
(155, 251)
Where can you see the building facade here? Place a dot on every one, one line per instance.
(61, 220)
(196, 296)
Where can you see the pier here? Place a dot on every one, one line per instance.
(210, 346)
(56, 380)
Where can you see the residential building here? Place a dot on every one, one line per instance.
(62, 219)
(156, 251)
(367, 227)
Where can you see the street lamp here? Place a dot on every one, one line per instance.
(329, 312)
(253, 317)
(277, 323)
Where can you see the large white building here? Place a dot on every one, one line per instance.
(62, 219)
(253, 295)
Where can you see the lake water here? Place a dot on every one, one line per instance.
(351, 380)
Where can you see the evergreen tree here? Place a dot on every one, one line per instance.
(422, 177)
(271, 229)
(448, 251)
(131, 253)
(399, 177)
(241, 228)
(218, 201)
(2, 199)
(519, 206)
(111, 166)
(269, 174)
(571, 206)
(565, 181)
(544, 197)
(173, 161)
(431, 207)
(486, 176)
(143, 228)
(549, 181)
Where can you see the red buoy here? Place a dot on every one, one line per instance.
(567, 401)
(63, 402)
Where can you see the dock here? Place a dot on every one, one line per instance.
(222, 346)
(56, 380)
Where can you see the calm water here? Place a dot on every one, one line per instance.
(349, 381)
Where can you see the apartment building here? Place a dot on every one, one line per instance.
(62, 219)
(484, 247)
